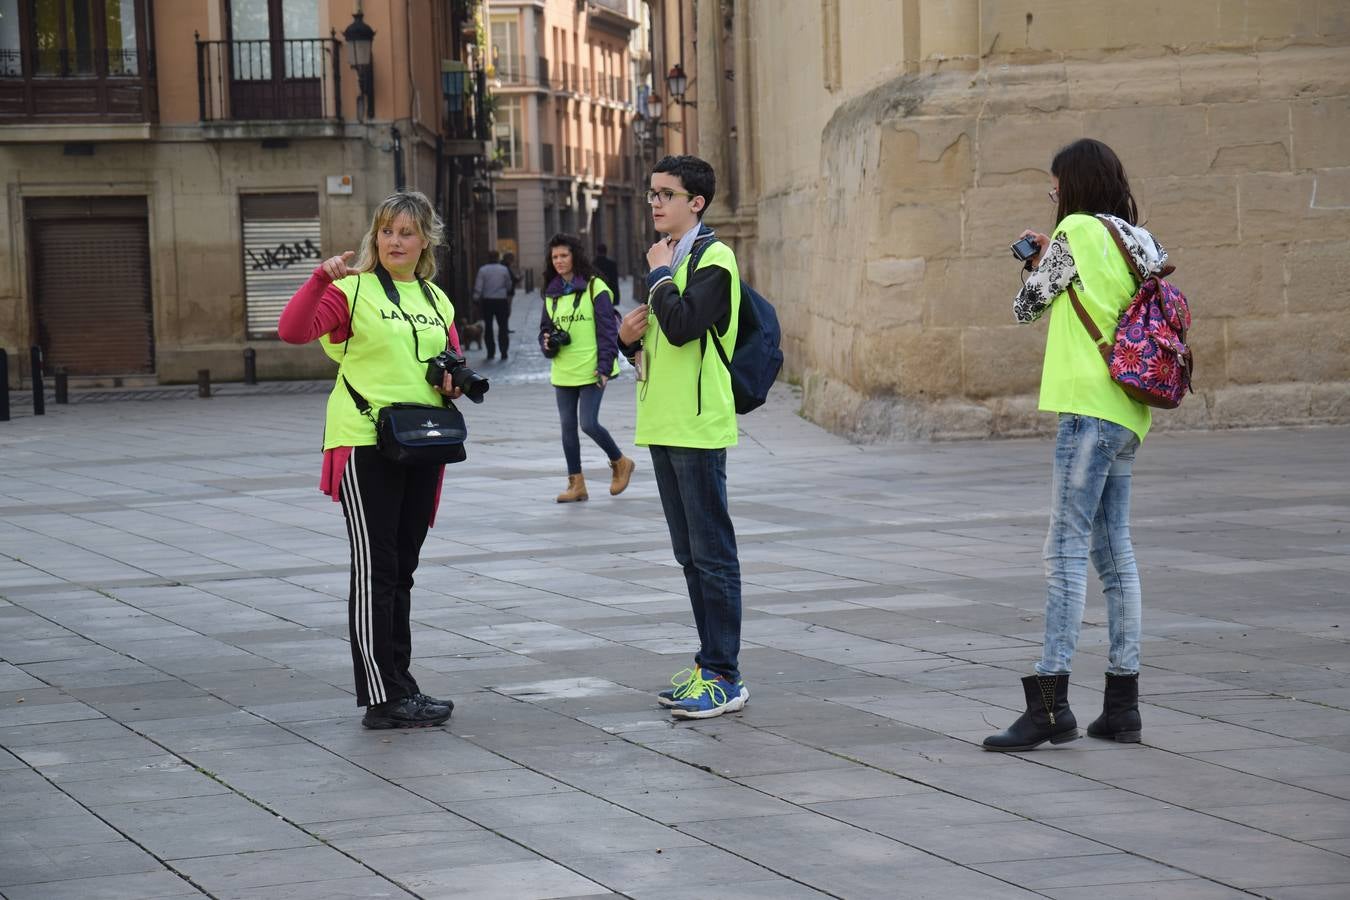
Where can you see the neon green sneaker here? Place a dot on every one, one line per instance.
(682, 681)
(709, 697)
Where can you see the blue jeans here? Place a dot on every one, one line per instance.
(585, 398)
(1090, 516)
(693, 488)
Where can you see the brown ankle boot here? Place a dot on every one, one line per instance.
(576, 490)
(623, 470)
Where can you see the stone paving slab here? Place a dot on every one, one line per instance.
(176, 716)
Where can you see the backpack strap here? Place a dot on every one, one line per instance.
(1093, 331)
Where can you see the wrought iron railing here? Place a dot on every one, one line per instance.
(87, 63)
(269, 79)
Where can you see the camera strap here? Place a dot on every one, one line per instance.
(391, 292)
(576, 301)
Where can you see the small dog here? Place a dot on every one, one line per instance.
(470, 333)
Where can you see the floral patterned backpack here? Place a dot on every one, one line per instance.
(1150, 358)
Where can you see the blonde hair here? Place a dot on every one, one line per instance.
(429, 227)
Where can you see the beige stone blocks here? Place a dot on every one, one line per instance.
(1155, 140)
(1281, 206)
(1190, 212)
(1023, 145)
(1233, 121)
(1306, 348)
(1221, 78)
(973, 291)
(1321, 132)
(1304, 72)
(1319, 280)
(1249, 137)
(1108, 84)
(1002, 360)
(927, 154)
(1229, 282)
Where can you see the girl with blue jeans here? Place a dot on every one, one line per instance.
(1100, 430)
(578, 331)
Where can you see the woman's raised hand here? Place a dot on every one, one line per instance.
(335, 267)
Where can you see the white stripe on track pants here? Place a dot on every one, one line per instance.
(388, 509)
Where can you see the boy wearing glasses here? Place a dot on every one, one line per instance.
(686, 416)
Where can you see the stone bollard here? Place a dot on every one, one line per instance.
(4, 385)
(39, 390)
(203, 382)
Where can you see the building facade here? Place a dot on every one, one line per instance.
(174, 169)
(564, 102)
(883, 154)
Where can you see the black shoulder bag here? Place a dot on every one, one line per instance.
(411, 434)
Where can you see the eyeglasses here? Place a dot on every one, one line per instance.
(665, 196)
(1054, 195)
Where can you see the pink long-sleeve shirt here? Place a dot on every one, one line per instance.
(317, 310)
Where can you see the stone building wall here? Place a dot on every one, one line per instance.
(890, 176)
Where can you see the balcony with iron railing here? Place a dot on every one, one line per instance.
(269, 80)
(82, 85)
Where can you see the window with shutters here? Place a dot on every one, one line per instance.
(281, 249)
(76, 60)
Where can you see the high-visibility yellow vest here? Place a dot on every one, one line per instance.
(577, 362)
(385, 359)
(686, 400)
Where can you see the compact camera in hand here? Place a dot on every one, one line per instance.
(473, 385)
(1026, 248)
(555, 341)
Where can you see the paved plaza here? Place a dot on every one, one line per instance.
(177, 718)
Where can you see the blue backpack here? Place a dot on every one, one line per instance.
(758, 356)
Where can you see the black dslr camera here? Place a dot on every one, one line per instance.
(467, 380)
(555, 341)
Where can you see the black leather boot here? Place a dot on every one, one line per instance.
(1048, 717)
(1119, 720)
(408, 712)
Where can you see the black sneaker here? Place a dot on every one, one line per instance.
(409, 712)
(449, 704)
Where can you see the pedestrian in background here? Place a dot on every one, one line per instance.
(686, 416)
(382, 320)
(492, 289)
(578, 330)
(1100, 430)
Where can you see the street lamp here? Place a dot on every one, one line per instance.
(654, 107)
(359, 36)
(677, 82)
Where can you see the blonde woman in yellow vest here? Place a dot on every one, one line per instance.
(381, 319)
(686, 417)
(1100, 430)
(578, 330)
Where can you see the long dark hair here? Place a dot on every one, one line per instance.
(1092, 181)
(581, 261)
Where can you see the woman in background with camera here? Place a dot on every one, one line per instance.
(1100, 430)
(579, 331)
(382, 320)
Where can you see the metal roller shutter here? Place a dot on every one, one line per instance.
(92, 285)
(281, 247)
